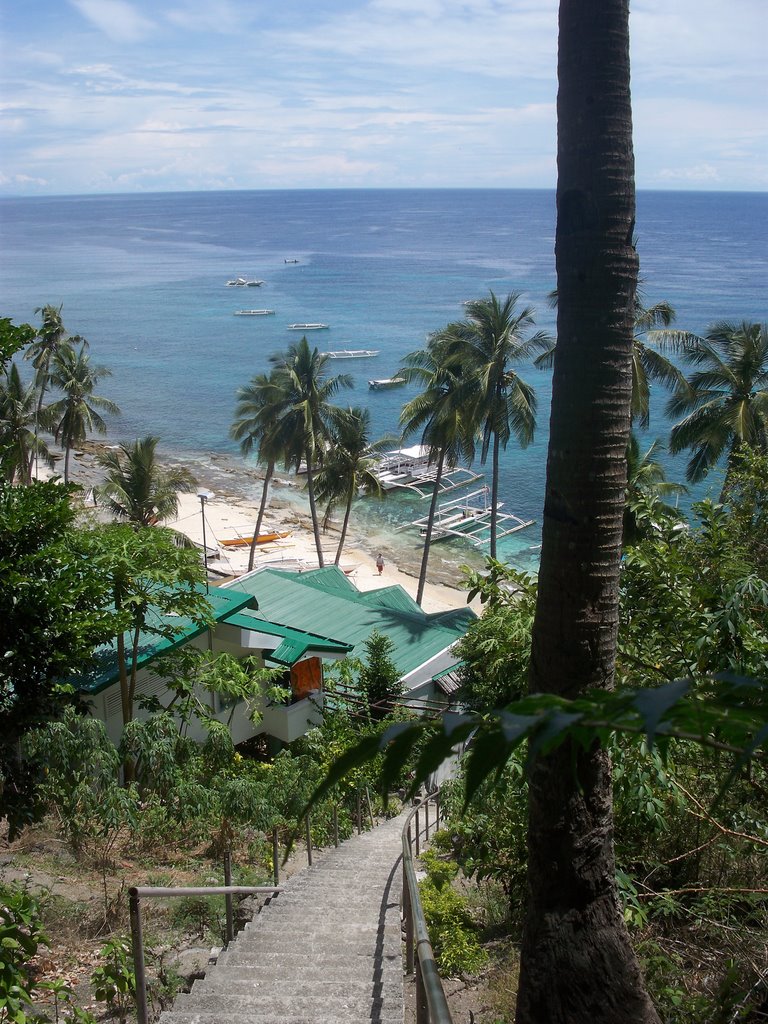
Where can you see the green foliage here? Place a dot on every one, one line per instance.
(21, 935)
(114, 980)
(451, 929)
(13, 337)
(379, 677)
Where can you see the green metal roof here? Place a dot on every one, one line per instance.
(104, 672)
(295, 642)
(325, 602)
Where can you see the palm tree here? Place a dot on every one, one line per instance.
(725, 402)
(647, 489)
(51, 339)
(348, 467)
(20, 444)
(494, 335)
(308, 415)
(137, 489)
(442, 414)
(262, 424)
(648, 364)
(75, 414)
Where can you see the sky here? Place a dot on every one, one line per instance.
(111, 96)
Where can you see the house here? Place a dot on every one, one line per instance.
(294, 621)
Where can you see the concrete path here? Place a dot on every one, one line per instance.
(326, 950)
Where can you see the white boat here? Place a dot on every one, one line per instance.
(254, 312)
(469, 518)
(411, 468)
(308, 327)
(244, 282)
(385, 382)
(352, 353)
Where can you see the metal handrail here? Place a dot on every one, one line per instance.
(138, 892)
(431, 1004)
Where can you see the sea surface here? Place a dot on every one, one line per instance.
(143, 278)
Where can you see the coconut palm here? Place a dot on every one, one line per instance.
(20, 444)
(494, 335)
(348, 468)
(724, 403)
(651, 334)
(262, 425)
(136, 489)
(647, 489)
(308, 414)
(51, 339)
(76, 413)
(442, 414)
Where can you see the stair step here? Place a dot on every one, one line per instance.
(244, 983)
(286, 1003)
(256, 1017)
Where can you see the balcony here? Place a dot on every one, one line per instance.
(287, 722)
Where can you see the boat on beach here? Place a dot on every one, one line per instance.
(308, 327)
(244, 282)
(254, 312)
(263, 538)
(352, 353)
(385, 382)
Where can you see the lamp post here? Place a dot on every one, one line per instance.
(204, 496)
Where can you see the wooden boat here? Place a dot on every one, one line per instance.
(245, 542)
(351, 353)
(307, 327)
(254, 312)
(386, 382)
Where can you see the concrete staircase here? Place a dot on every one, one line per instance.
(326, 950)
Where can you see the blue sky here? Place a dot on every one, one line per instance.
(150, 95)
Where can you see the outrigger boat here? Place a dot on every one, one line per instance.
(352, 353)
(263, 538)
(244, 282)
(469, 518)
(254, 312)
(308, 327)
(411, 469)
(386, 382)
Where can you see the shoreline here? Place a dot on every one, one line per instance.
(232, 511)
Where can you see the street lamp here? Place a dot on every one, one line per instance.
(204, 496)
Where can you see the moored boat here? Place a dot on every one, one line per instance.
(352, 353)
(290, 261)
(263, 538)
(308, 327)
(385, 382)
(254, 312)
(244, 282)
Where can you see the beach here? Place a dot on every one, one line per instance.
(229, 515)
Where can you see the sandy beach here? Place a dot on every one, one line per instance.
(229, 516)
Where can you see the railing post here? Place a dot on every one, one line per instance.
(275, 856)
(228, 898)
(335, 825)
(418, 836)
(437, 809)
(309, 841)
(426, 820)
(137, 941)
(359, 813)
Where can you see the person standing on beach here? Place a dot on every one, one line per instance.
(380, 563)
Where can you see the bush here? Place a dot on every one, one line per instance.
(451, 929)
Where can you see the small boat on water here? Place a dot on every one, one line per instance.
(244, 282)
(254, 312)
(290, 261)
(386, 382)
(352, 353)
(308, 327)
(263, 538)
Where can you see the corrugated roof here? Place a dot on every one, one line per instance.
(327, 603)
(295, 639)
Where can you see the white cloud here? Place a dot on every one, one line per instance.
(117, 19)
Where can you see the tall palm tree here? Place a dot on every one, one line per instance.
(348, 467)
(724, 403)
(76, 413)
(651, 334)
(308, 416)
(51, 339)
(494, 335)
(262, 424)
(20, 443)
(136, 489)
(442, 414)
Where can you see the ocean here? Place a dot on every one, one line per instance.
(143, 278)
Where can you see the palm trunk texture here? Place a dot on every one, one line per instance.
(260, 517)
(430, 525)
(577, 964)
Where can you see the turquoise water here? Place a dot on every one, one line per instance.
(142, 277)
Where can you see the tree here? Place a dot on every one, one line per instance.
(308, 415)
(348, 468)
(495, 335)
(262, 424)
(379, 676)
(725, 402)
(136, 488)
(442, 414)
(75, 414)
(13, 337)
(51, 339)
(577, 963)
(20, 443)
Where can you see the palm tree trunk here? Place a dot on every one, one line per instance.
(494, 495)
(577, 964)
(345, 524)
(67, 450)
(430, 524)
(260, 517)
(313, 512)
